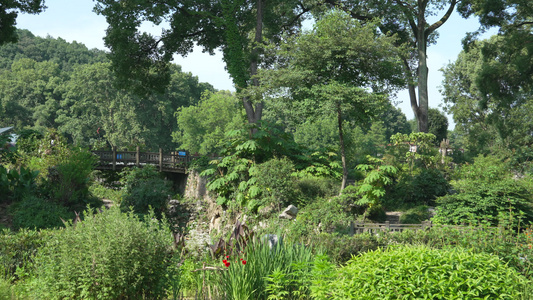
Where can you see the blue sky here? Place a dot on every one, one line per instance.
(76, 21)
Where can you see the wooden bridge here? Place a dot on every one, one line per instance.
(175, 162)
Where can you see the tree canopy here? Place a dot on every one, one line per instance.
(236, 27)
(50, 83)
(9, 11)
(409, 21)
(331, 71)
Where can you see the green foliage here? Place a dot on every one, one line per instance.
(322, 215)
(312, 188)
(437, 125)
(70, 179)
(201, 127)
(484, 190)
(103, 192)
(415, 215)
(16, 184)
(234, 177)
(144, 189)
(18, 249)
(422, 272)
(309, 83)
(341, 248)
(274, 178)
(378, 176)
(422, 186)
(424, 148)
(35, 212)
(247, 278)
(296, 283)
(109, 255)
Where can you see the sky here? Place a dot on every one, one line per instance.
(74, 20)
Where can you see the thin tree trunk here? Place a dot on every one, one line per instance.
(343, 153)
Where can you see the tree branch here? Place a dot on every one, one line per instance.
(442, 20)
(405, 10)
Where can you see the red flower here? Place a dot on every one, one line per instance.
(227, 264)
(224, 261)
(241, 259)
(243, 262)
(227, 256)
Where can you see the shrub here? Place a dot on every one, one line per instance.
(323, 215)
(34, 212)
(70, 178)
(144, 188)
(484, 201)
(340, 248)
(415, 215)
(419, 272)
(17, 250)
(420, 188)
(274, 179)
(312, 188)
(484, 190)
(110, 255)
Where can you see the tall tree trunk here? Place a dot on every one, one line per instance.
(341, 146)
(254, 114)
(422, 116)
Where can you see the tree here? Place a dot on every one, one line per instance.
(330, 71)
(438, 125)
(30, 94)
(202, 127)
(237, 27)
(9, 11)
(505, 74)
(407, 19)
(490, 121)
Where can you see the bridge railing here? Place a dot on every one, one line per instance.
(171, 162)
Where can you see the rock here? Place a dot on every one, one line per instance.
(272, 239)
(289, 213)
(215, 224)
(267, 210)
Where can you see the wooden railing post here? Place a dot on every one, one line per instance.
(137, 157)
(114, 158)
(160, 160)
(352, 229)
(387, 225)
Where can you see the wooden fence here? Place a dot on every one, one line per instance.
(358, 228)
(165, 162)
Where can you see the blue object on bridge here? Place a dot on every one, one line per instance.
(182, 153)
(119, 156)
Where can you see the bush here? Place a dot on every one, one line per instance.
(419, 272)
(415, 215)
(70, 178)
(17, 250)
(341, 248)
(323, 215)
(276, 183)
(34, 212)
(476, 200)
(312, 188)
(421, 188)
(144, 188)
(110, 255)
